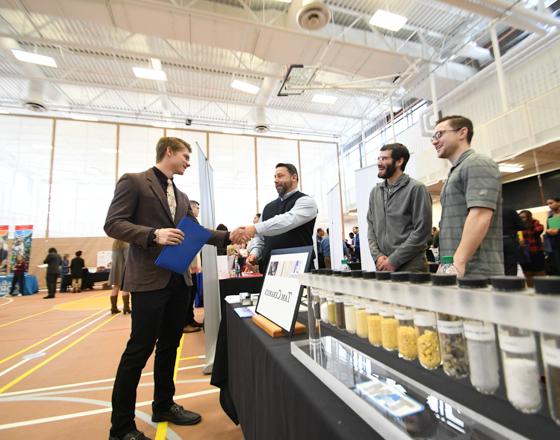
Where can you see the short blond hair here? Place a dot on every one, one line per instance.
(175, 144)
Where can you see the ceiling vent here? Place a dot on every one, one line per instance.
(35, 106)
(261, 125)
(313, 15)
(261, 128)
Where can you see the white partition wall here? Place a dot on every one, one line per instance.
(366, 179)
(335, 226)
(211, 285)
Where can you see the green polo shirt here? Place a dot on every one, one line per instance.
(473, 182)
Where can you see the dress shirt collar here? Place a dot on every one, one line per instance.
(287, 195)
(162, 178)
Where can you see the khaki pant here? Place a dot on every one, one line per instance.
(76, 284)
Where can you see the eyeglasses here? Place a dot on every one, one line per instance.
(438, 134)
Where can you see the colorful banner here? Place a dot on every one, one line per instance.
(22, 243)
(4, 249)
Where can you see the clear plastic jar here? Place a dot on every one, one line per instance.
(483, 356)
(323, 297)
(331, 310)
(374, 323)
(550, 347)
(452, 345)
(349, 314)
(389, 326)
(429, 354)
(521, 370)
(519, 355)
(313, 314)
(407, 336)
(339, 311)
(361, 318)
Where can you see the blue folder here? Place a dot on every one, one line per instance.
(177, 258)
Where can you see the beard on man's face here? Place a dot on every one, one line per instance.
(282, 188)
(388, 171)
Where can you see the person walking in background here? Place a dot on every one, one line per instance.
(320, 256)
(64, 270)
(552, 236)
(118, 260)
(18, 275)
(356, 243)
(77, 272)
(53, 261)
(326, 248)
(532, 251)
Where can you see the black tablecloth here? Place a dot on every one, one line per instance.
(88, 279)
(271, 393)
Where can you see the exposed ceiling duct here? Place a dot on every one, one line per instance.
(313, 15)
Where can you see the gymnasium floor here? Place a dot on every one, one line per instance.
(57, 364)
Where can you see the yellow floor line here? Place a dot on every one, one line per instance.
(25, 317)
(161, 432)
(29, 347)
(54, 356)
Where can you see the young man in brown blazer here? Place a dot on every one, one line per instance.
(144, 212)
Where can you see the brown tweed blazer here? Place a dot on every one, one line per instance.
(140, 205)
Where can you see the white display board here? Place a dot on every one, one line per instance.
(335, 226)
(366, 179)
(281, 291)
(104, 259)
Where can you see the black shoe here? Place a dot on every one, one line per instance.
(48, 297)
(177, 415)
(132, 435)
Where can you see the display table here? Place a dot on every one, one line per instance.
(30, 285)
(271, 394)
(88, 279)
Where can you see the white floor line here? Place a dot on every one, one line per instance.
(43, 351)
(8, 301)
(94, 411)
(78, 384)
(21, 398)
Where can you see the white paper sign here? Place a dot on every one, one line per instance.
(280, 292)
(104, 259)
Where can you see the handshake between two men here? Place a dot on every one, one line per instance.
(172, 236)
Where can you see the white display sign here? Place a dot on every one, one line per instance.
(104, 259)
(281, 291)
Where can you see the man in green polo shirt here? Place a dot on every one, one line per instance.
(471, 202)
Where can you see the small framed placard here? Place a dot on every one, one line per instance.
(281, 292)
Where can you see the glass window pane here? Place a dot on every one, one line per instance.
(137, 148)
(25, 145)
(271, 151)
(350, 163)
(189, 182)
(319, 173)
(233, 161)
(83, 178)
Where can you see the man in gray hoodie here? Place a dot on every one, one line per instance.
(399, 216)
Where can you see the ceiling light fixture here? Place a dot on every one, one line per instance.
(145, 73)
(245, 87)
(387, 20)
(323, 99)
(510, 168)
(34, 58)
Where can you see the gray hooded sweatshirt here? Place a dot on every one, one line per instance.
(400, 222)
